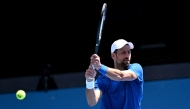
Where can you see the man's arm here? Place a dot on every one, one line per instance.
(134, 72)
(118, 75)
(93, 96)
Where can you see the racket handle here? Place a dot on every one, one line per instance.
(94, 69)
(91, 78)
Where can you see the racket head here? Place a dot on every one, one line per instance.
(104, 9)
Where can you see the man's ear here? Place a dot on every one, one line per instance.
(113, 55)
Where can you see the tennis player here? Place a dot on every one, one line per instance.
(120, 87)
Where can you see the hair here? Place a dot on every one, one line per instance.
(115, 51)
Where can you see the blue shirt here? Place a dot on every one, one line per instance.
(121, 94)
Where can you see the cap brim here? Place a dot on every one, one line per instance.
(130, 45)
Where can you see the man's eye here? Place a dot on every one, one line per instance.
(123, 52)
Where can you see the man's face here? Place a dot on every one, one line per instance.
(123, 56)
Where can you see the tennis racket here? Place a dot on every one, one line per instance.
(100, 28)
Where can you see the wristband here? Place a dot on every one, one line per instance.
(90, 85)
(103, 69)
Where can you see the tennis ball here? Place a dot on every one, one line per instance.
(20, 94)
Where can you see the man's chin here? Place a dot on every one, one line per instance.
(125, 64)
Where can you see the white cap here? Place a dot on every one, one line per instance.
(119, 44)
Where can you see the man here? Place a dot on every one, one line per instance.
(120, 87)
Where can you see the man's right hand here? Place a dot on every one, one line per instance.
(90, 73)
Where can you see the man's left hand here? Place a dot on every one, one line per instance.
(95, 61)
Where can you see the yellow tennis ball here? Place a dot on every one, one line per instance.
(20, 94)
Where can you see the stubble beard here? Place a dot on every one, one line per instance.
(123, 64)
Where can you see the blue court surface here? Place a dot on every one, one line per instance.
(163, 94)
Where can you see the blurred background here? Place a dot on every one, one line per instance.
(46, 48)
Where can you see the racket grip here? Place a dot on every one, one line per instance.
(94, 69)
(90, 78)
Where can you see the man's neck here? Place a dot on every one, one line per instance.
(116, 66)
(119, 67)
